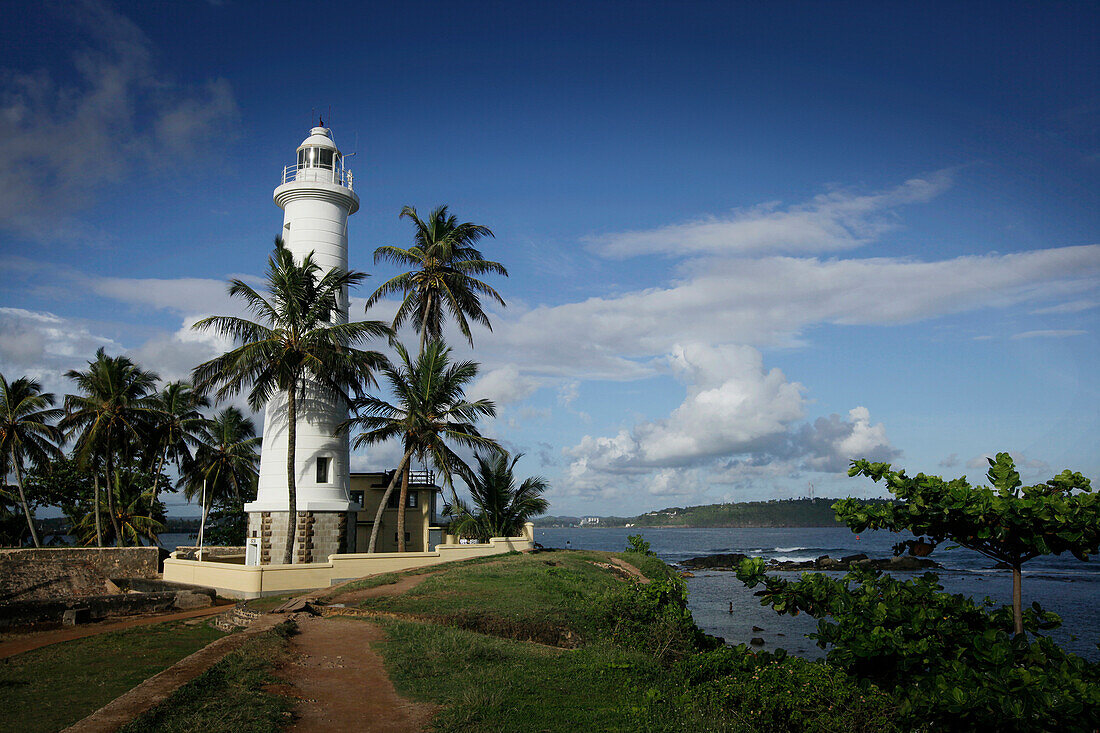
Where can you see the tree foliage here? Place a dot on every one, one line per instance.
(500, 508)
(1006, 521)
(293, 348)
(953, 663)
(445, 264)
(27, 434)
(428, 413)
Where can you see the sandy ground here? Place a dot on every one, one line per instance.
(341, 683)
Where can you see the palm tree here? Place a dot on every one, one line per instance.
(445, 263)
(26, 433)
(502, 508)
(225, 463)
(293, 345)
(177, 427)
(429, 411)
(135, 517)
(110, 419)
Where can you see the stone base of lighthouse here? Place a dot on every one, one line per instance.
(316, 536)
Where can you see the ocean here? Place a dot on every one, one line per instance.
(1064, 585)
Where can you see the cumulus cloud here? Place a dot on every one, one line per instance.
(60, 142)
(43, 345)
(829, 222)
(736, 414)
(503, 386)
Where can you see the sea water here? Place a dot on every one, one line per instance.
(1061, 584)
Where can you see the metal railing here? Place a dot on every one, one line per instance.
(316, 174)
(422, 478)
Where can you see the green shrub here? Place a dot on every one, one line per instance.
(781, 693)
(952, 662)
(638, 544)
(652, 617)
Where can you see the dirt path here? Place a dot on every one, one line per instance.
(341, 682)
(627, 567)
(36, 639)
(157, 688)
(404, 583)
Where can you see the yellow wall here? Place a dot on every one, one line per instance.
(417, 519)
(253, 581)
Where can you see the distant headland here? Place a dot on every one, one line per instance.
(816, 512)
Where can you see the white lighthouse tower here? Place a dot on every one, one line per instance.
(316, 197)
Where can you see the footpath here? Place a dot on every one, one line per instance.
(339, 681)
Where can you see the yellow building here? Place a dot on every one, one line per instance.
(422, 532)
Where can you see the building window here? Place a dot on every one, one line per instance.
(391, 503)
(322, 469)
(410, 500)
(357, 497)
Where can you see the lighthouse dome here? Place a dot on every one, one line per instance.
(319, 137)
(318, 150)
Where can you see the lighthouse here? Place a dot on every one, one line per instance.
(316, 197)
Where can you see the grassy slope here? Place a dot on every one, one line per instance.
(546, 597)
(229, 696)
(488, 683)
(49, 688)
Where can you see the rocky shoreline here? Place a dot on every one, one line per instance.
(730, 561)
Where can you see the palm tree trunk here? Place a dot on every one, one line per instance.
(1017, 600)
(23, 501)
(95, 504)
(112, 480)
(291, 488)
(424, 323)
(156, 479)
(401, 508)
(385, 498)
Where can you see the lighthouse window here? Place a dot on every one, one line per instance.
(322, 470)
(324, 158)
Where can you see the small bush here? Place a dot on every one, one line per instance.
(781, 693)
(638, 545)
(653, 617)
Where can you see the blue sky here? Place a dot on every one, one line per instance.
(747, 241)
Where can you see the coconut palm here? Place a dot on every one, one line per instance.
(292, 347)
(500, 508)
(225, 463)
(110, 420)
(429, 411)
(445, 264)
(177, 427)
(26, 433)
(135, 516)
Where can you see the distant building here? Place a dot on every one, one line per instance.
(422, 530)
(590, 521)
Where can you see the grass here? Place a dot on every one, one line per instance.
(229, 696)
(52, 687)
(491, 684)
(546, 597)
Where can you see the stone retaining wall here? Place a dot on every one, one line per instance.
(54, 572)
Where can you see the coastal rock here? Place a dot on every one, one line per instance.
(714, 562)
(756, 641)
(853, 558)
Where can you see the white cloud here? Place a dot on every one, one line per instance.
(1073, 306)
(829, 222)
(503, 386)
(771, 301)
(44, 346)
(1049, 334)
(736, 415)
(61, 143)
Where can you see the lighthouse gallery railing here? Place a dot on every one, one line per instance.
(323, 174)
